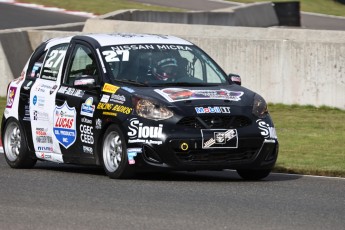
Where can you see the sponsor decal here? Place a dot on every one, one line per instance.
(44, 139)
(180, 94)
(87, 149)
(86, 81)
(44, 149)
(11, 95)
(86, 135)
(219, 138)
(28, 85)
(114, 108)
(131, 153)
(139, 133)
(117, 99)
(26, 113)
(85, 120)
(71, 91)
(129, 90)
(215, 109)
(65, 125)
(267, 131)
(105, 98)
(98, 124)
(40, 116)
(87, 108)
(38, 101)
(109, 88)
(53, 89)
(109, 114)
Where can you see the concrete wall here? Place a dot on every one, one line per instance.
(251, 15)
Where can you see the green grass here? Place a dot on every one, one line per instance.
(312, 140)
(98, 7)
(330, 7)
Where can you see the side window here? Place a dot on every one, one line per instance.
(53, 61)
(35, 66)
(83, 68)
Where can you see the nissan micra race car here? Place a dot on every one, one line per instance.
(132, 103)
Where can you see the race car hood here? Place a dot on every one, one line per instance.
(183, 98)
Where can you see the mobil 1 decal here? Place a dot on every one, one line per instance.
(219, 138)
(140, 133)
(65, 125)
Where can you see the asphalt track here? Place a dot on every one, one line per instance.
(52, 196)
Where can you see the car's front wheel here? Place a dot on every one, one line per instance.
(15, 147)
(114, 154)
(249, 174)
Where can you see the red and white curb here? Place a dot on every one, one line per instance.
(47, 8)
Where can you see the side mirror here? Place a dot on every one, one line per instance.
(235, 78)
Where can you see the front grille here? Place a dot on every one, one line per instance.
(208, 122)
(216, 156)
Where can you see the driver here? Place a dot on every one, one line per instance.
(165, 69)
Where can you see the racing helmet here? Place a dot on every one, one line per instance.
(165, 69)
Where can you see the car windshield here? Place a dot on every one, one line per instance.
(162, 64)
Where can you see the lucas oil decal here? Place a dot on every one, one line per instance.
(65, 125)
(140, 133)
(219, 138)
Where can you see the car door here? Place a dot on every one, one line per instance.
(76, 100)
(42, 103)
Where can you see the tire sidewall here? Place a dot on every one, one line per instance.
(24, 159)
(123, 171)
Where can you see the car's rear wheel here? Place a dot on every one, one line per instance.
(114, 154)
(249, 174)
(15, 147)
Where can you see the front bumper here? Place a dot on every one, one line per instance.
(184, 150)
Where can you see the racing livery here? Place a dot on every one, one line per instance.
(135, 102)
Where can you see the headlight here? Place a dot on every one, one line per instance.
(259, 106)
(151, 110)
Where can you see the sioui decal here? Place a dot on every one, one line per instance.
(144, 134)
(179, 94)
(266, 130)
(109, 88)
(87, 108)
(131, 153)
(219, 138)
(86, 135)
(214, 109)
(11, 95)
(65, 125)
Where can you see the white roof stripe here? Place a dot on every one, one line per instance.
(128, 38)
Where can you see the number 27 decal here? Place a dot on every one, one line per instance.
(114, 56)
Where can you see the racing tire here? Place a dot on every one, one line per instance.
(249, 174)
(15, 147)
(114, 154)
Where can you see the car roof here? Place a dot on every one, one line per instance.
(122, 39)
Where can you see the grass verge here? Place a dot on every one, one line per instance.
(330, 7)
(311, 139)
(98, 7)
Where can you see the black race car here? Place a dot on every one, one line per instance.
(135, 102)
